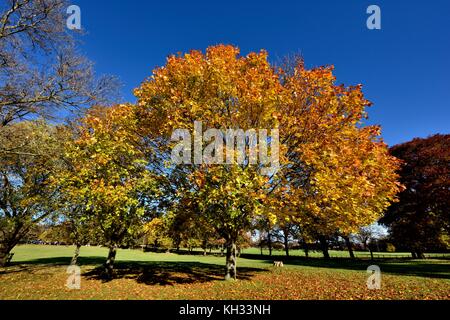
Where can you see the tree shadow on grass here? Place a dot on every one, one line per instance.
(60, 261)
(149, 272)
(170, 273)
(30, 266)
(428, 268)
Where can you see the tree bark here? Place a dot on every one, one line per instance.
(349, 247)
(3, 258)
(269, 243)
(231, 260)
(109, 265)
(4, 255)
(75, 256)
(366, 247)
(286, 243)
(177, 244)
(324, 247)
(306, 249)
(204, 247)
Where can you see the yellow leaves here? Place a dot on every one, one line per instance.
(106, 169)
(154, 225)
(272, 218)
(276, 115)
(332, 170)
(349, 167)
(207, 86)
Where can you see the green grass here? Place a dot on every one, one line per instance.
(32, 252)
(39, 272)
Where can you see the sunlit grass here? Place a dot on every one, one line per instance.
(39, 272)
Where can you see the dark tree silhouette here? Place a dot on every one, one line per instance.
(420, 221)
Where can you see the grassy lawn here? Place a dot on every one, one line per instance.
(39, 272)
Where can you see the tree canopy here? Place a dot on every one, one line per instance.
(421, 219)
(334, 173)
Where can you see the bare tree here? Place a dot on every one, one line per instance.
(40, 69)
(368, 235)
(41, 74)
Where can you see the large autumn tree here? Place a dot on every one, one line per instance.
(335, 174)
(420, 221)
(338, 174)
(224, 91)
(107, 175)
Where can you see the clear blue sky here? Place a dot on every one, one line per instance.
(404, 67)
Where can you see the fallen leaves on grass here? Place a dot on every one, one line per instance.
(48, 282)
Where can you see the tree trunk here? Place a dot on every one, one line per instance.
(306, 249)
(109, 265)
(286, 244)
(3, 258)
(420, 254)
(231, 260)
(349, 247)
(205, 247)
(366, 247)
(324, 247)
(269, 243)
(4, 255)
(261, 248)
(76, 254)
